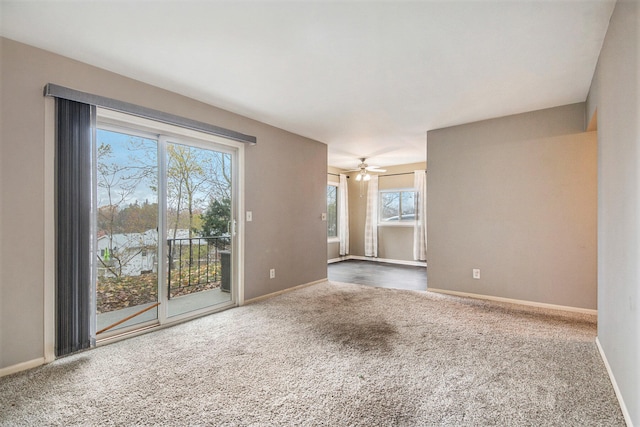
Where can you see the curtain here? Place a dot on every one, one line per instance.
(371, 221)
(420, 227)
(73, 212)
(343, 215)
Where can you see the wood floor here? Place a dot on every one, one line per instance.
(379, 274)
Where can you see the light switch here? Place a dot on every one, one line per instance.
(324, 216)
(249, 216)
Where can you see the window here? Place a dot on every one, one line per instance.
(397, 206)
(332, 210)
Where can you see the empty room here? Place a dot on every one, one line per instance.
(320, 213)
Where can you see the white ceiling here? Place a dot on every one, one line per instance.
(369, 78)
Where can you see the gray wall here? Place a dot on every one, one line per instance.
(615, 93)
(286, 177)
(516, 198)
(394, 242)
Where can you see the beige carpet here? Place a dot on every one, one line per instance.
(336, 355)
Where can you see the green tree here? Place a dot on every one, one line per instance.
(215, 220)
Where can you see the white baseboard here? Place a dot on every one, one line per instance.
(273, 294)
(517, 301)
(372, 259)
(21, 366)
(623, 407)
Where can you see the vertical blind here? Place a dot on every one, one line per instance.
(73, 209)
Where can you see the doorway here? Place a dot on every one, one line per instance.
(165, 234)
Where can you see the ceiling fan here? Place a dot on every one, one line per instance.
(364, 170)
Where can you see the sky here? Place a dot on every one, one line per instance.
(134, 154)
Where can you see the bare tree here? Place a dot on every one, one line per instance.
(195, 176)
(186, 181)
(220, 173)
(117, 183)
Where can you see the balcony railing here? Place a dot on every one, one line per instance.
(195, 264)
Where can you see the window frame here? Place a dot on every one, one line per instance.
(400, 222)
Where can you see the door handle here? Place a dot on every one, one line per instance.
(231, 227)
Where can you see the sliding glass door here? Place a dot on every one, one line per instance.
(164, 226)
(126, 174)
(199, 226)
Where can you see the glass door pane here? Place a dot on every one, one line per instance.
(199, 227)
(126, 170)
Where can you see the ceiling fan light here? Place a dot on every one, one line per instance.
(358, 177)
(367, 177)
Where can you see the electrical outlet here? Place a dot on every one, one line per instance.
(249, 216)
(272, 273)
(476, 273)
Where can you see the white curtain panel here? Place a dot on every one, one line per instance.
(371, 222)
(343, 215)
(420, 228)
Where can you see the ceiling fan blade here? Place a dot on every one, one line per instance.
(363, 167)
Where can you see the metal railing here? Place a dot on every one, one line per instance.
(194, 264)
